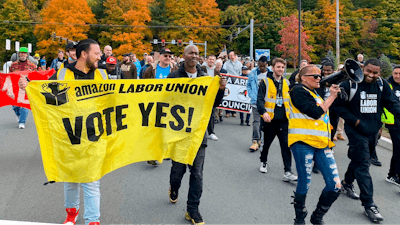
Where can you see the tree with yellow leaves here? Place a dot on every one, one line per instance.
(128, 13)
(201, 14)
(66, 18)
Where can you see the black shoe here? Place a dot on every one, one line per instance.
(315, 169)
(349, 190)
(373, 214)
(394, 180)
(194, 217)
(173, 196)
(247, 123)
(241, 123)
(220, 118)
(216, 121)
(376, 162)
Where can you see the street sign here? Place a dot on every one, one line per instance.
(173, 42)
(17, 46)
(155, 41)
(8, 44)
(262, 52)
(29, 47)
(190, 42)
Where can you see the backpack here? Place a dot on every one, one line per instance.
(354, 86)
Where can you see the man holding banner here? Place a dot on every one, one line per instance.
(189, 69)
(22, 64)
(88, 54)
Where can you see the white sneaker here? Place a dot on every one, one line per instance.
(263, 167)
(213, 137)
(288, 176)
(21, 126)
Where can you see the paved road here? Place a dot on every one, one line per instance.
(235, 192)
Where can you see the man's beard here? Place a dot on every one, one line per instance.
(90, 65)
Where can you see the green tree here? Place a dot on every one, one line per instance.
(159, 18)
(14, 10)
(386, 69)
(388, 27)
(224, 4)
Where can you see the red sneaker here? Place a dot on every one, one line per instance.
(94, 223)
(72, 216)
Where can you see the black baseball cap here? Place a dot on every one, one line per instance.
(126, 54)
(166, 51)
(70, 45)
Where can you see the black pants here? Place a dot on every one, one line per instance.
(280, 129)
(247, 117)
(395, 162)
(210, 128)
(196, 179)
(359, 153)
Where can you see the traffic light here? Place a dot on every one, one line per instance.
(60, 40)
(163, 42)
(179, 42)
(234, 34)
(53, 36)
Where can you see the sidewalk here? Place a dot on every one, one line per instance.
(385, 143)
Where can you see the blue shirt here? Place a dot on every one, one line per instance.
(162, 72)
(138, 66)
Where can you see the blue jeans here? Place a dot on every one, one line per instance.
(303, 155)
(91, 195)
(21, 112)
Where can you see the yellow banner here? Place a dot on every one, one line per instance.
(89, 128)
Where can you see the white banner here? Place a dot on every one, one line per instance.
(236, 97)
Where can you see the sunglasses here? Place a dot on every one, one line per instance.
(316, 76)
(167, 56)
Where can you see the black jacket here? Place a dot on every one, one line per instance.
(396, 90)
(367, 106)
(182, 73)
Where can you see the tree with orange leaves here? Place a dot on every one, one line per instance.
(290, 41)
(129, 13)
(66, 18)
(194, 13)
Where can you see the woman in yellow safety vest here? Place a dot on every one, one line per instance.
(310, 138)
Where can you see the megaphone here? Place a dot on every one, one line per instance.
(352, 71)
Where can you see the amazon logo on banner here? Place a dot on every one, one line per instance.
(11, 94)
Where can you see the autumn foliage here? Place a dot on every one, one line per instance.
(67, 18)
(290, 41)
(200, 14)
(127, 39)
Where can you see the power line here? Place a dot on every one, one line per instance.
(387, 20)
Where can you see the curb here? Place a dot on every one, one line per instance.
(385, 143)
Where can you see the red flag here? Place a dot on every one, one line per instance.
(11, 94)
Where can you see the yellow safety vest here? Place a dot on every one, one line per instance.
(313, 132)
(67, 74)
(387, 117)
(270, 97)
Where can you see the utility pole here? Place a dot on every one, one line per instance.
(251, 38)
(337, 34)
(251, 26)
(299, 32)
